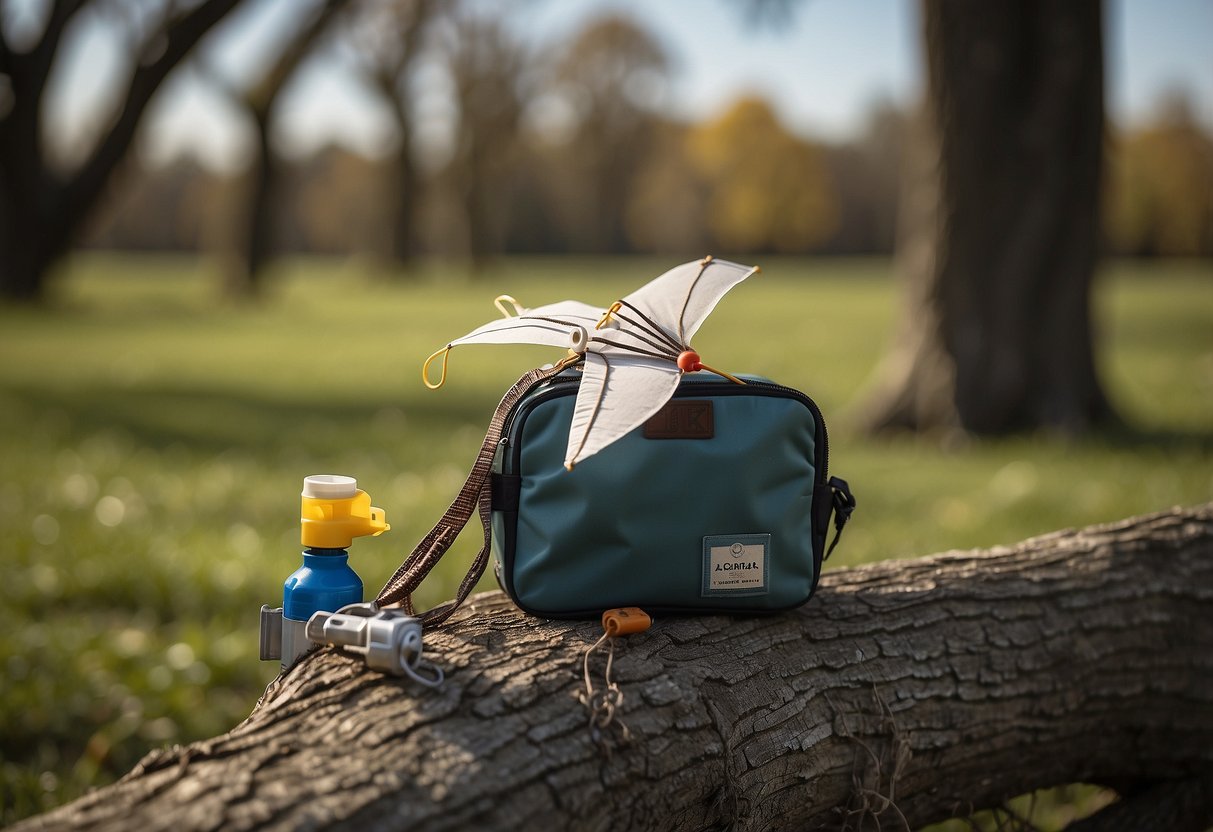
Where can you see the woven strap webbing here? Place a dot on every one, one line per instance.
(475, 495)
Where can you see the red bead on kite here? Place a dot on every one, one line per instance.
(688, 362)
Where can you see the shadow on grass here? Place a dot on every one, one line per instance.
(214, 420)
(1138, 439)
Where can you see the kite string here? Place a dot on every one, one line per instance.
(703, 267)
(653, 328)
(633, 348)
(661, 347)
(664, 345)
(613, 311)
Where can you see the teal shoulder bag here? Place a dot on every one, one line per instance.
(721, 502)
(718, 503)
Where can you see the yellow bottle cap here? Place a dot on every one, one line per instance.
(335, 511)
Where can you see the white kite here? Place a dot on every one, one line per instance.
(632, 354)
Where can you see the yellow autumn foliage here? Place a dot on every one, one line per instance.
(767, 188)
(1160, 198)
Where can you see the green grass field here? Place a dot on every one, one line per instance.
(153, 442)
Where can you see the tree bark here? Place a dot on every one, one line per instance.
(904, 693)
(999, 224)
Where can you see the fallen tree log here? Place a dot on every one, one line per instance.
(904, 693)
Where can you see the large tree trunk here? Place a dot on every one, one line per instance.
(904, 693)
(1000, 224)
(28, 247)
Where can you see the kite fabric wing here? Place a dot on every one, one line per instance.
(550, 325)
(625, 381)
(682, 298)
(618, 392)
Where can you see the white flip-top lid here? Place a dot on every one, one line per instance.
(329, 486)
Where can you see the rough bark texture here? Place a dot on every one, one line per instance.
(905, 692)
(999, 224)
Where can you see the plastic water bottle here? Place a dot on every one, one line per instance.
(333, 513)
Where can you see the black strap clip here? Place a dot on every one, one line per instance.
(842, 501)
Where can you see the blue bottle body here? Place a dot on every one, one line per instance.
(324, 582)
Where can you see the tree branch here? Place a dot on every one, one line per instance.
(262, 96)
(164, 50)
(43, 54)
(28, 72)
(904, 693)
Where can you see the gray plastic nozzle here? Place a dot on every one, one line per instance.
(389, 640)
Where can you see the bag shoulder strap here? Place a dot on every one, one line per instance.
(474, 495)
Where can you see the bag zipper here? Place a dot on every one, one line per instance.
(552, 389)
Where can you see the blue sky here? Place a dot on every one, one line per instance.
(822, 70)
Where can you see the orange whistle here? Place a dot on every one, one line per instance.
(625, 620)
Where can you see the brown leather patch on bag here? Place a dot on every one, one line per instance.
(682, 419)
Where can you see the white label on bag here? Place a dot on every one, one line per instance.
(735, 564)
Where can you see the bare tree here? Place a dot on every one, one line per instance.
(487, 66)
(1161, 203)
(41, 207)
(865, 174)
(611, 75)
(260, 100)
(388, 38)
(999, 224)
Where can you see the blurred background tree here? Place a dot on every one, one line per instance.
(1161, 199)
(766, 188)
(489, 71)
(388, 37)
(864, 176)
(610, 80)
(255, 225)
(500, 145)
(43, 203)
(1000, 224)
